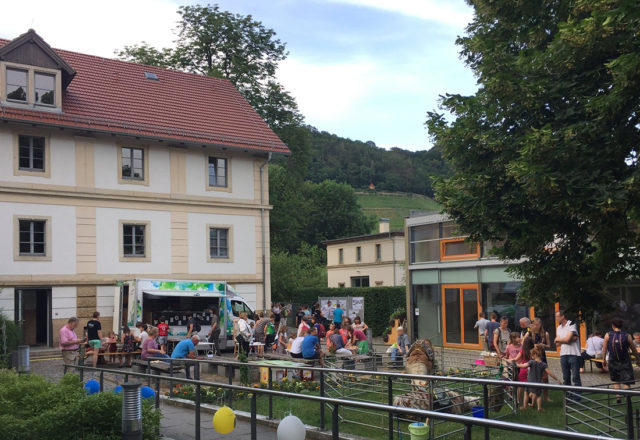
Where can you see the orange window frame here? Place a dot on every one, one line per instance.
(444, 257)
(461, 288)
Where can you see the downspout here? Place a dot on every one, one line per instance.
(264, 244)
(393, 246)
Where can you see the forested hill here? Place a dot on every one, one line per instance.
(361, 163)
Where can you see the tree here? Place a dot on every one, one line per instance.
(225, 45)
(291, 272)
(309, 213)
(545, 154)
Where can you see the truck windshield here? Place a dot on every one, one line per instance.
(239, 307)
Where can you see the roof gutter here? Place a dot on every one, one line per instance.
(263, 234)
(85, 131)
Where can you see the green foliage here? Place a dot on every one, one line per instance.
(360, 163)
(311, 213)
(394, 206)
(292, 272)
(32, 407)
(244, 369)
(545, 154)
(12, 337)
(379, 302)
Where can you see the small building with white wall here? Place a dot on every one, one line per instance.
(111, 171)
(367, 261)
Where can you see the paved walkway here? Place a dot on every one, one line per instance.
(179, 424)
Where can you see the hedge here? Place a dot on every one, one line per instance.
(33, 408)
(10, 333)
(379, 302)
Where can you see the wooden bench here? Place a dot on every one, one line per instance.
(158, 366)
(599, 363)
(286, 357)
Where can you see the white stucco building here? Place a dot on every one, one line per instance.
(111, 171)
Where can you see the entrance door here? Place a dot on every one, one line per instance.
(33, 315)
(461, 305)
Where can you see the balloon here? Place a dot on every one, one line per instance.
(291, 428)
(92, 386)
(147, 392)
(224, 420)
(118, 389)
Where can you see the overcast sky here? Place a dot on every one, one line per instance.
(363, 69)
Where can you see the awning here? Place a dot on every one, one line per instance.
(184, 293)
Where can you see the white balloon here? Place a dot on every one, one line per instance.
(291, 428)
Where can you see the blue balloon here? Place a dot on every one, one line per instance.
(92, 386)
(147, 392)
(117, 389)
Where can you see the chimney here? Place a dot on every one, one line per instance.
(384, 225)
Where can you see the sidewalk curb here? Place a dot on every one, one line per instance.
(313, 432)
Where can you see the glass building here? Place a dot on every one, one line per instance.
(451, 280)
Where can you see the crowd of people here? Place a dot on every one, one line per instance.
(318, 331)
(527, 348)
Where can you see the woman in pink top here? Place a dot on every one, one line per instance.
(150, 346)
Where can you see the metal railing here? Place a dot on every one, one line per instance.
(603, 414)
(335, 403)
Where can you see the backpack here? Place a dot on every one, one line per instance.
(321, 331)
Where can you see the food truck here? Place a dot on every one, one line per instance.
(146, 300)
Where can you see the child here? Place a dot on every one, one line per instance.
(112, 346)
(536, 368)
(514, 347)
(281, 346)
(523, 357)
(163, 334)
(332, 330)
(128, 346)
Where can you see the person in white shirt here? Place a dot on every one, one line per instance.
(244, 333)
(481, 325)
(594, 350)
(567, 339)
(296, 346)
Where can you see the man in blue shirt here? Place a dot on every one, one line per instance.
(337, 316)
(311, 346)
(186, 349)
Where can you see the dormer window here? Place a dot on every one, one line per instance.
(32, 74)
(17, 82)
(30, 86)
(45, 85)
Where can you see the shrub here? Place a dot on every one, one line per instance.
(10, 333)
(32, 407)
(379, 302)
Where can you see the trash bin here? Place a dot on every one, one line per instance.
(419, 431)
(23, 359)
(478, 412)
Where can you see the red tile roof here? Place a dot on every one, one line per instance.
(114, 96)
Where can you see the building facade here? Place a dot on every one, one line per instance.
(111, 171)
(367, 261)
(450, 281)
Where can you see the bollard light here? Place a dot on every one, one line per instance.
(131, 412)
(23, 359)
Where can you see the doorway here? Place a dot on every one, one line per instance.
(33, 316)
(460, 308)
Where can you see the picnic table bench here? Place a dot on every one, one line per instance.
(286, 357)
(158, 366)
(599, 363)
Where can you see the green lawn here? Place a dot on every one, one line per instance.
(309, 413)
(395, 206)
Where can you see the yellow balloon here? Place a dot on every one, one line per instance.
(224, 420)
